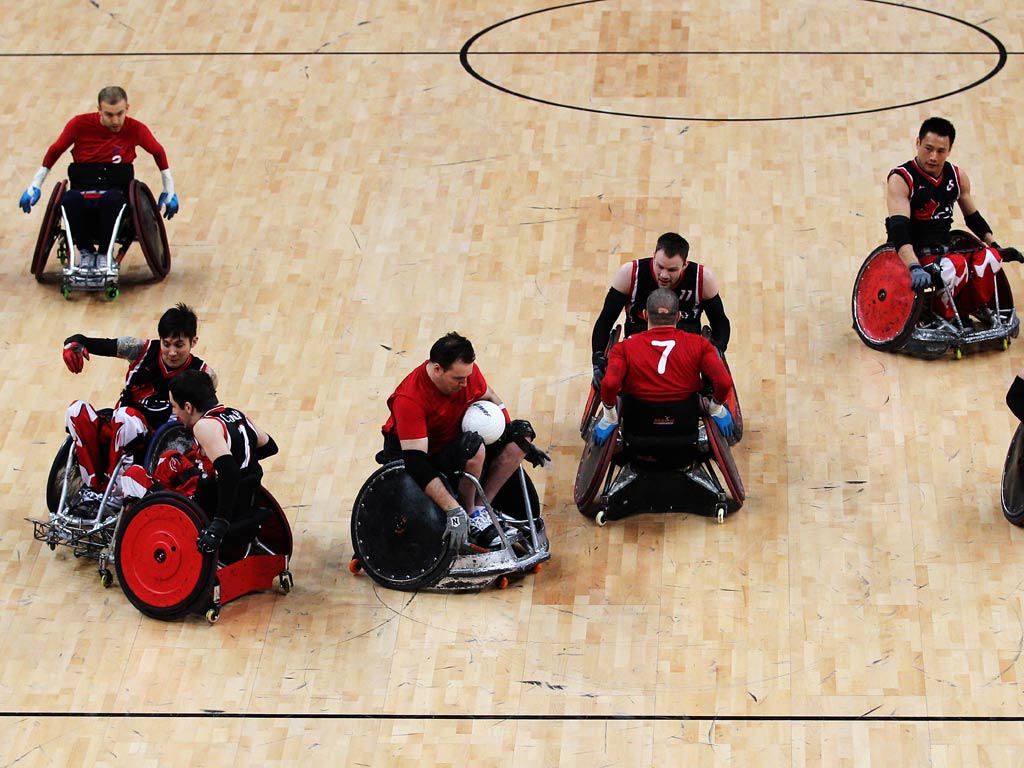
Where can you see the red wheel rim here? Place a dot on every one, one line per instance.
(885, 307)
(158, 558)
(723, 457)
(48, 231)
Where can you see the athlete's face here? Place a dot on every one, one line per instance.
(667, 269)
(112, 115)
(186, 414)
(453, 379)
(175, 351)
(932, 152)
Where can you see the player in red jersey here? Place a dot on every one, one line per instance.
(919, 196)
(663, 364)
(99, 141)
(425, 430)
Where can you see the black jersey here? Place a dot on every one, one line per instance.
(642, 283)
(931, 202)
(239, 434)
(145, 384)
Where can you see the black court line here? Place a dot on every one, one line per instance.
(216, 714)
(737, 52)
(467, 46)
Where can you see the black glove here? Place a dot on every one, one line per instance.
(920, 279)
(1009, 254)
(600, 366)
(456, 529)
(534, 455)
(516, 429)
(212, 535)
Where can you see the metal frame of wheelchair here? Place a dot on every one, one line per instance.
(152, 544)
(139, 219)
(396, 535)
(609, 471)
(889, 316)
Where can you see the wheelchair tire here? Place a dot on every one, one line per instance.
(732, 402)
(49, 230)
(149, 229)
(55, 480)
(1012, 486)
(171, 435)
(591, 474)
(396, 531)
(594, 398)
(885, 308)
(158, 566)
(723, 458)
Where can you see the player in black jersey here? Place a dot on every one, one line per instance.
(230, 449)
(669, 267)
(919, 196)
(143, 405)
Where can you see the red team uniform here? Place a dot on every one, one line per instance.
(93, 143)
(419, 409)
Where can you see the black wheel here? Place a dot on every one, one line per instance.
(158, 566)
(509, 499)
(1012, 489)
(594, 397)
(149, 229)
(55, 480)
(49, 231)
(591, 473)
(170, 436)
(885, 308)
(397, 530)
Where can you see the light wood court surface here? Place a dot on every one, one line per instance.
(348, 194)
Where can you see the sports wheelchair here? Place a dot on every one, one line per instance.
(1012, 485)
(139, 219)
(152, 543)
(647, 464)
(889, 315)
(397, 530)
(589, 418)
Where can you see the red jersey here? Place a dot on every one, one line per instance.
(95, 144)
(663, 365)
(419, 409)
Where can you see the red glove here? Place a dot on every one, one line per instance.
(75, 355)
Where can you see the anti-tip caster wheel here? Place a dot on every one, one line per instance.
(354, 566)
(600, 519)
(958, 353)
(286, 581)
(65, 291)
(502, 582)
(1006, 343)
(111, 292)
(212, 614)
(721, 514)
(106, 578)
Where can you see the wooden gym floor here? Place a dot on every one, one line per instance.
(351, 189)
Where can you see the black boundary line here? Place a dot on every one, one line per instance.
(219, 715)
(217, 54)
(464, 60)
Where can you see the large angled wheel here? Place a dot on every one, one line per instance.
(158, 566)
(723, 458)
(509, 499)
(732, 402)
(885, 307)
(48, 231)
(1012, 495)
(170, 436)
(590, 475)
(594, 398)
(55, 480)
(397, 530)
(149, 229)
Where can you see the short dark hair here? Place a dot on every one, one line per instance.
(662, 306)
(673, 244)
(112, 94)
(178, 322)
(940, 126)
(451, 348)
(193, 386)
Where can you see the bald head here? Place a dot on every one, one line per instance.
(662, 308)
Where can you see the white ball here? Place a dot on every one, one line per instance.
(486, 419)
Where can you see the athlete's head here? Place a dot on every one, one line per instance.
(113, 107)
(451, 363)
(662, 308)
(934, 142)
(177, 331)
(670, 256)
(192, 395)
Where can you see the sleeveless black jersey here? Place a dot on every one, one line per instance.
(931, 202)
(145, 384)
(239, 434)
(642, 284)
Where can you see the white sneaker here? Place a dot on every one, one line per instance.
(87, 259)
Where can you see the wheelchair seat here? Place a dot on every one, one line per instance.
(396, 535)
(139, 220)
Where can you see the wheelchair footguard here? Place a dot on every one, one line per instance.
(889, 316)
(613, 481)
(138, 220)
(396, 535)
(1012, 486)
